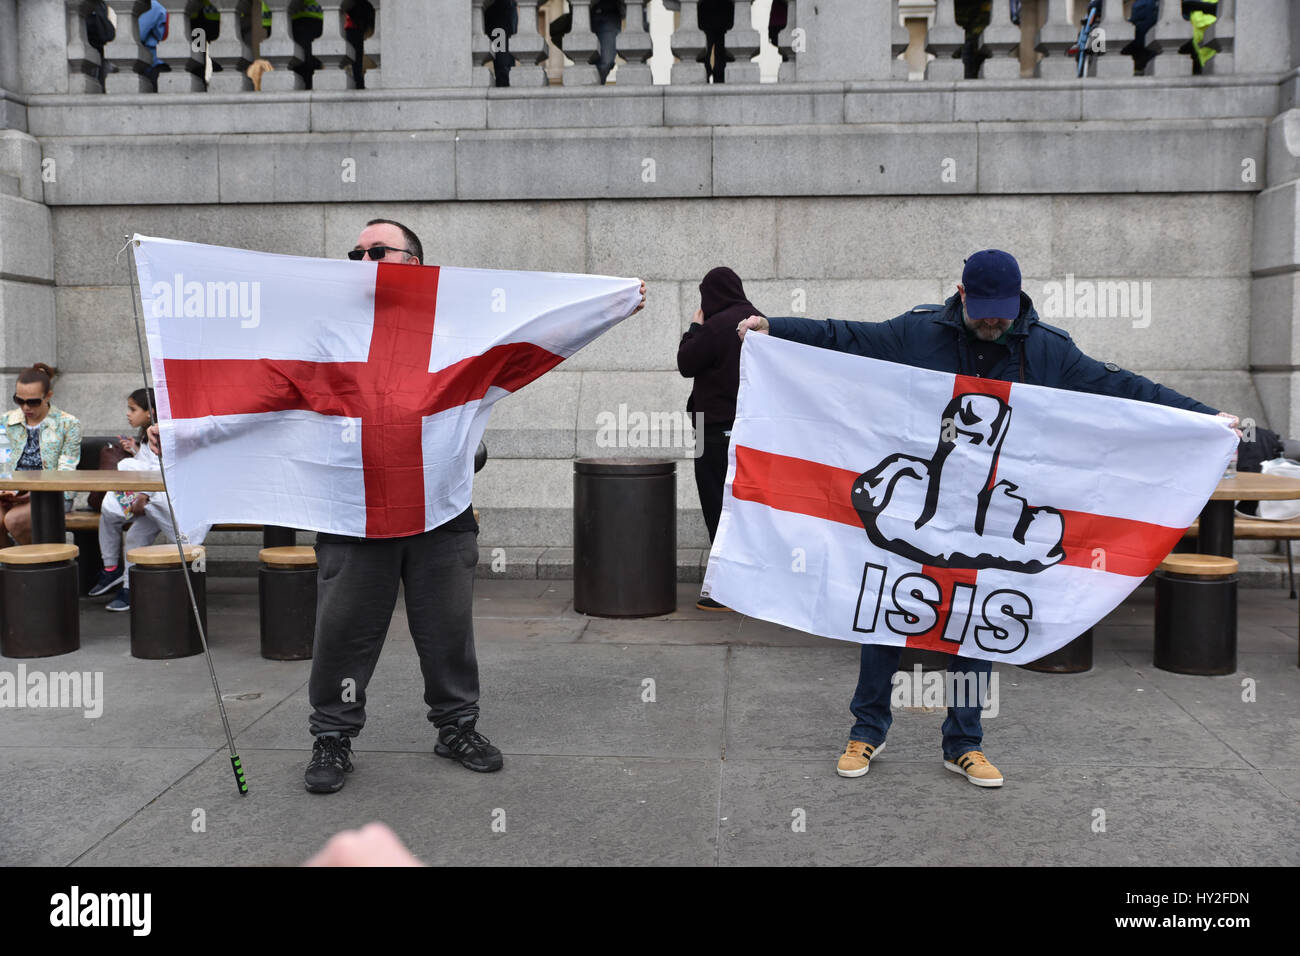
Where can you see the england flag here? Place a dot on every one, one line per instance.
(340, 396)
(885, 504)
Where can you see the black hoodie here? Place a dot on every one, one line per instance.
(710, 352)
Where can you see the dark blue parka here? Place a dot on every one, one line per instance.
(934, 337)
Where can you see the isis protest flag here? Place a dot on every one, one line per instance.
(341, 396)
(885, 504)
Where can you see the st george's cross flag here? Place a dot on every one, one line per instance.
(885, 504)
(341, 396)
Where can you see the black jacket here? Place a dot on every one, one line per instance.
(934, 337)
(717, 16)
(501, 15)
(710, 351)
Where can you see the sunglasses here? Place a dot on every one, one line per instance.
(375, 252)
(29, 402)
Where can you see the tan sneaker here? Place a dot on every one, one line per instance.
(856, 759)
(975, 767)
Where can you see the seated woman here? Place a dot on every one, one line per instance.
(41, 437)
(116, 509)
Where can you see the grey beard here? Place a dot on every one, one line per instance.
(985, 334)
(981, 331)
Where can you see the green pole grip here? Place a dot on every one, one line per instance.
(239, 775)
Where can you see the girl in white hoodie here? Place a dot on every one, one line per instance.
(147, 513)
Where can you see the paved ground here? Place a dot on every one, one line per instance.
(737, 747)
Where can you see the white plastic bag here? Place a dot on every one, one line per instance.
(1280, 510)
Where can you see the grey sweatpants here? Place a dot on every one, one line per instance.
(356, 593)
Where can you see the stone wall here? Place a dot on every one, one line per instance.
(843, 190)
(846, 257)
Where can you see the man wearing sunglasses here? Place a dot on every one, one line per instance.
(356, 593)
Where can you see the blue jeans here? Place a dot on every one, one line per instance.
(961, 731)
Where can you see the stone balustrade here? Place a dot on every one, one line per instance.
(1039, 46)
(125, 65)
(918, 40)
(197, 62)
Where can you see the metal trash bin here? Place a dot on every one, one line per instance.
(624, 537)
(1073, 658)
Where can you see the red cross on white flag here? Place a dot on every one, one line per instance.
(884, 504)
(348, 397)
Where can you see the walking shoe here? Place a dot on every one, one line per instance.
(856, 759)
(331, 760)
(467, 745)
(975, 767)
(120, 603)
(106, 582)
(708, 604)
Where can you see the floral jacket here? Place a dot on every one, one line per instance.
(60, 439)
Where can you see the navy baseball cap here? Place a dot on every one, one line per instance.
(992, 283)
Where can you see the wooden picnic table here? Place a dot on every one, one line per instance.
(47, 488)
(1215, 535)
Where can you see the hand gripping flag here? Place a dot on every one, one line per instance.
(884, 504)
(340, 396)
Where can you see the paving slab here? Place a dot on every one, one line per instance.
(915, 813)
(1259, 722)
(542, 699)
(556, 811)
(59, 801)
(746, 722)
(156, 703)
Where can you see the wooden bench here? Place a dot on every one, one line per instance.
(1257, 529)
(84, 527)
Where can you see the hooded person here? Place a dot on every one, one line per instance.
(709, 353)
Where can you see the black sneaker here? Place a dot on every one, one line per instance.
(331, 758)
(467, 745)
(107, 581)
(120, 603)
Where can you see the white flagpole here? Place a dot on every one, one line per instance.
(240, 781)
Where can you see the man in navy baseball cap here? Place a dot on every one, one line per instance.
(990, 293)
(989, 329)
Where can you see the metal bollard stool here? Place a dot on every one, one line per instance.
(1196, 614)
(1073, 658)
(274, 536)
(286, 601)
(38, 600)
(624, 537)
(162, 622)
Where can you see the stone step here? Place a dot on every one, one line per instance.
(540, 563)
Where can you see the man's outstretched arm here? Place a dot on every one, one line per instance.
(880, 340)
(1085, 374)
